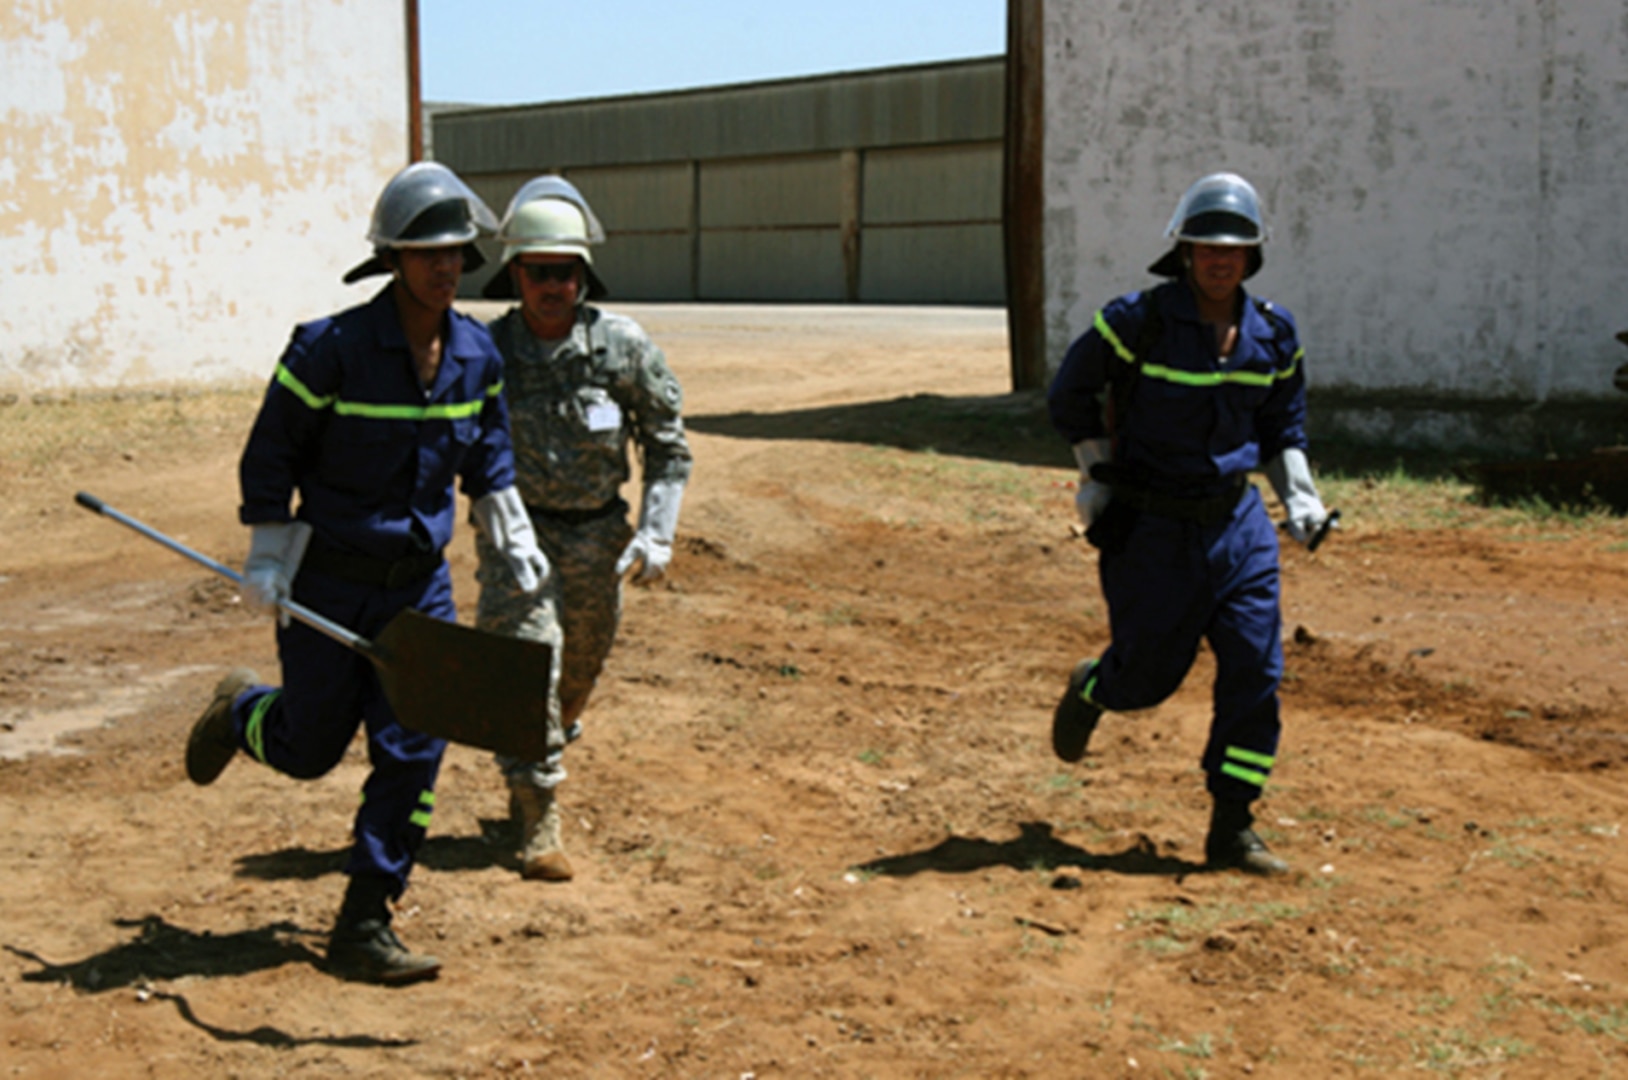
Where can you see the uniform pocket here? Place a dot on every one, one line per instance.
(363, 454)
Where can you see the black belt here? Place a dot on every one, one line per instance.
(367, 570)
(1208, 510)
(616, 506)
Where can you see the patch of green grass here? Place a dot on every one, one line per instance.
(1430, 491)
(841, 615)
(1454, 1050)
(1056, 783)
(1182, 923)
(872, 756)
(978, 490)
(1201, 1046)
(1516, 856)
(1435, 1004)
(1612, 1022)
(47, 435)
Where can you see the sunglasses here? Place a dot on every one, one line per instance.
(537, 273)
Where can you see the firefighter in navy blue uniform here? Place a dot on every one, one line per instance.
(370, 416)
(1172, 397)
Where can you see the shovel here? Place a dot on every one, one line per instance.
(442, 679)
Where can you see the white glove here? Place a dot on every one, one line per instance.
(503, 518)
(275, 551)
(652, 544)
(1290, 475)
(1092, 498)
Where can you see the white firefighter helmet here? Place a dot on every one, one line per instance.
(425, 205)
(548, 215)
(1221, 208)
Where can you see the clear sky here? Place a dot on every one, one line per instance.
(509, 52)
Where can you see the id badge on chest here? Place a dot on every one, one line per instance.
(604, 416)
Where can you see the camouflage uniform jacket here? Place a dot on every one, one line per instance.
(571, 416)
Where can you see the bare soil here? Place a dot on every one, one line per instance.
(816, 823)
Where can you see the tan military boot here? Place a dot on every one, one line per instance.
(537, 812)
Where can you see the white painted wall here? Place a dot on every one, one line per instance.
(1446, 180)
(183, 180)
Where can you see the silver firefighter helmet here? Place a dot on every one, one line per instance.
(1221, 208)
(425, 205)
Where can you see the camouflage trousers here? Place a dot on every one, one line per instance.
(576, 614)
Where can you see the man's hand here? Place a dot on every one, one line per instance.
(503, 518)
(1290, 475)
(651, 548)
(275, 551)
(1092, 498)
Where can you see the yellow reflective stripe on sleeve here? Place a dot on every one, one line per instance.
(253, 734)
(1112, 338)
(453, 411)
(426, 805)
(290, 382)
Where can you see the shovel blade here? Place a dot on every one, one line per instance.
(466, 685)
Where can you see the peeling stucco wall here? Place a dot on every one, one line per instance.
(183, 180)
(1446, 180)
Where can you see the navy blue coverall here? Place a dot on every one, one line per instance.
(373, 455)
(1189, 430)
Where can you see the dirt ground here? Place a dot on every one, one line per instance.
(817, 826)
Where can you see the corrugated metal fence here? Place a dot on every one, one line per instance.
(879, 186)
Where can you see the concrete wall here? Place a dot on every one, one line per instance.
(1447, 183)
(180, 181)
(879, 186)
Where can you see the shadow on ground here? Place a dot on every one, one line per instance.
(1013, 428)
(1008, 427)
(493, 847)
(1034, 848)
(162, 951)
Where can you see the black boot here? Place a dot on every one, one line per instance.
(1076, 716)
(1232, 843)
(363, 948)
(213, 743)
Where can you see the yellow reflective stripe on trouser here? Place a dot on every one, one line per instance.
(451, 411)
(253, 736)
(1087, 692)
(426, 806)
(1236, 755)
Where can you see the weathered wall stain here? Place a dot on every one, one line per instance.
(181, 181)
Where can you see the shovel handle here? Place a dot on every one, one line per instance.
(298, 611)
(1322, 530)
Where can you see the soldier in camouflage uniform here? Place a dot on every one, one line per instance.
(581, 384)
